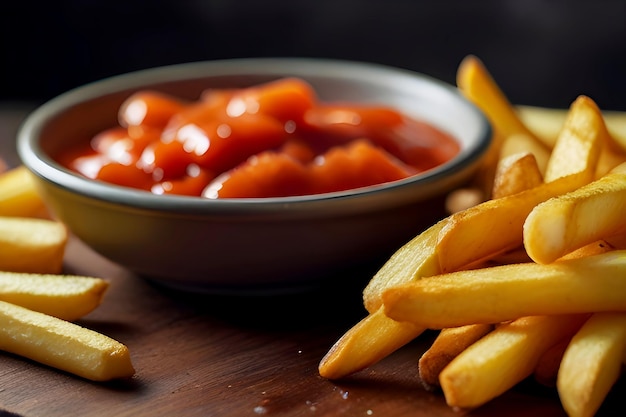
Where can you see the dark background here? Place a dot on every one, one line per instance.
(540, 52)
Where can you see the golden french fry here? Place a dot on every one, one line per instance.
(478, 233)
(380, 335)
(418, 287)
(476, 83)
(516, 173)
(613, 154)
(616, 123)
(63, 296)
(62, 344)
(500, 293)
(413, 260)
(502, 358)
(32, 245)
(579, 142)
(481, 226)
(463, 198)
(565, 223)
(525, 143)
(608, 161)
(416, 259)
(546, 123)
(592, 363)
(447, 346)
(473, 80)
(547, 369)
(376, 336)
(18, 194)
(369, 341)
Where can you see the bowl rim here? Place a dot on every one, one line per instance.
(43, 166)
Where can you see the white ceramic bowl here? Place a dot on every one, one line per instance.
(250, 246)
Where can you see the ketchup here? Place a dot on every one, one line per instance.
(270, 140)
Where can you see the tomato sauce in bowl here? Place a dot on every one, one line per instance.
(275, 139)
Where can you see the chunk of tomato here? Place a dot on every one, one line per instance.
(359, 164)
(414, 142)
(125, 175)
(191, 184)
(211, 106)
(220, 144)
(269, 174)
(286, 100)
(149, 108)
(165, 160)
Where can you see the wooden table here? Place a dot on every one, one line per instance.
(218, 356)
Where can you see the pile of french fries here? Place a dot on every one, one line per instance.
(39, 304)
(526, 276)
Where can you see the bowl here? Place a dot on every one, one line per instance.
(250, 246)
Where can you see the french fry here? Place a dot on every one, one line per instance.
(18, 194)
(369, 341)
(592, 363)
(447, 346)
(481, 227)
(476, 83)
(547, 369)
(570, 221)
(452, 341)
(546, 123)
(32, 245)
(414, 260)
(516, 173)
(501, 293)
(548, 366)
(580, 141)
(376, 336)
(463, 198)
(609, 160)
(473, 81)
(503, 358)
(64, 296)
(503, 314)
(613, 152)
(420, 256)
(523, 142)
(62, 344)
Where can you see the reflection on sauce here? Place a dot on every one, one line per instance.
(271, 140)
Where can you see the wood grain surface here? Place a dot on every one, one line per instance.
(198, 355)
